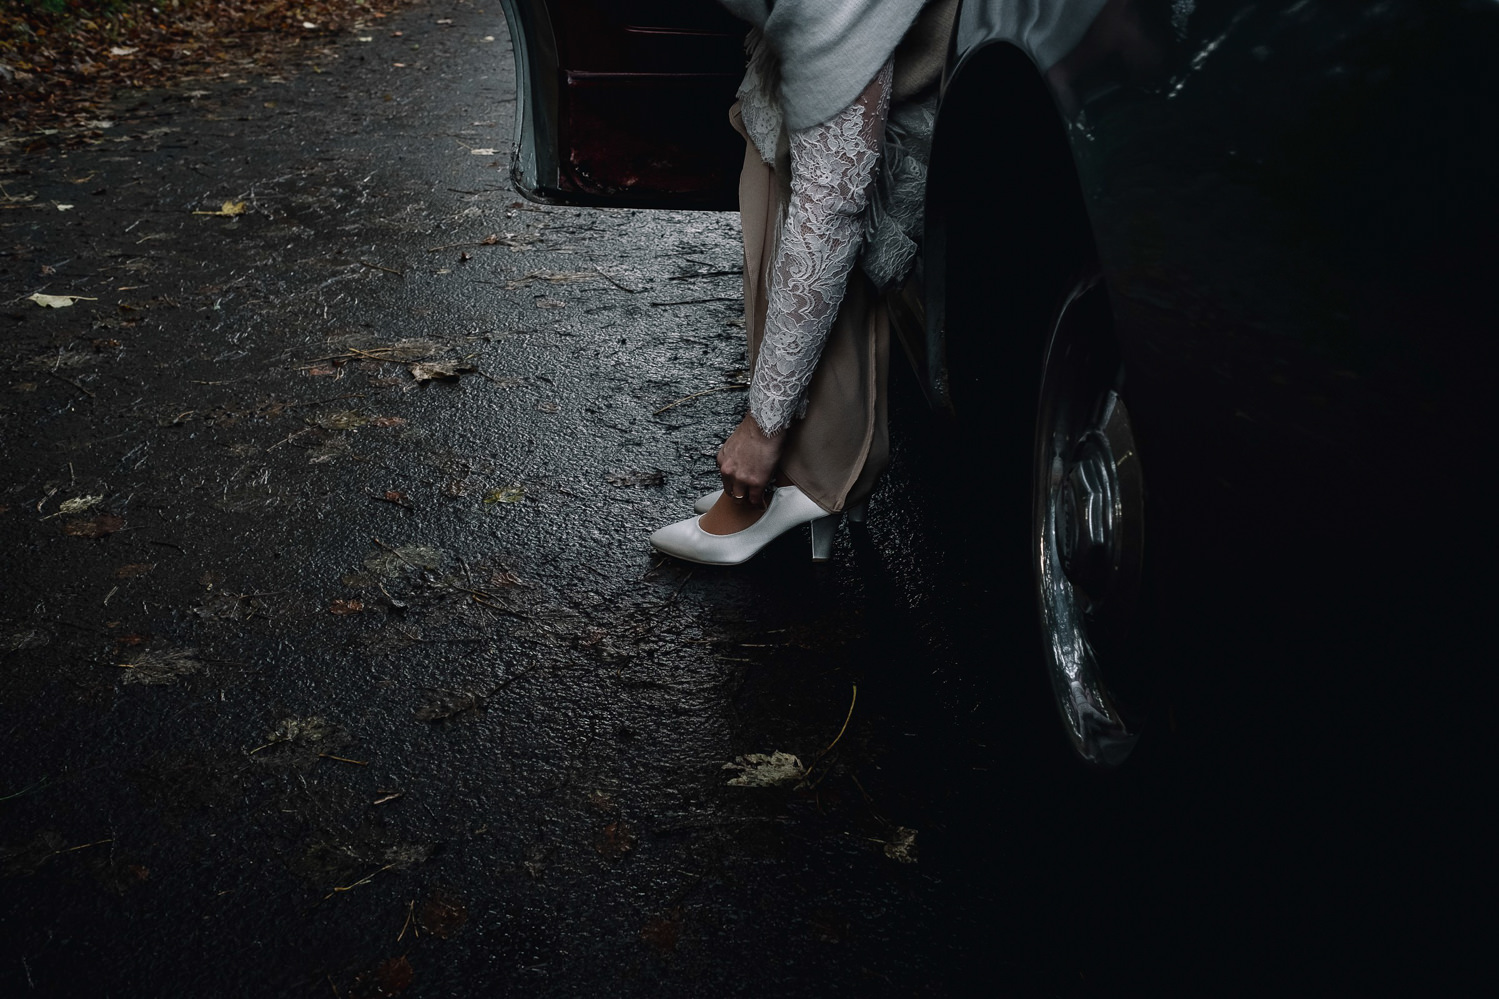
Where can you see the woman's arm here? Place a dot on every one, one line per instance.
(832, 166)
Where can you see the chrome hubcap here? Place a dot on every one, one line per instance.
(1088, 526)
(1085, 519)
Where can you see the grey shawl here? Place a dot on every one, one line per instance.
(829, 49)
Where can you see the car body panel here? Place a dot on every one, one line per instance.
(1275, 192)
(625, 103)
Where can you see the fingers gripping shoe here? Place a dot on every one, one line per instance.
(789, 509)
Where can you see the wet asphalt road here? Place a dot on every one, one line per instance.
(333, 656)
(321, 674)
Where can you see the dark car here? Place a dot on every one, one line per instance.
(1211, 285)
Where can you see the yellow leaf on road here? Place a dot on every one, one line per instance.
(59, 301)
(229, 208)
(505, 494)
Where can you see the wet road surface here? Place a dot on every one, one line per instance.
(333, 656)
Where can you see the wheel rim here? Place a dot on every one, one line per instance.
(1087, 525)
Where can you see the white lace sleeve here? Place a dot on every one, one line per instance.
(832, 165)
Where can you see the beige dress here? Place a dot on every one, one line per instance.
(818, 328)
(837, 441)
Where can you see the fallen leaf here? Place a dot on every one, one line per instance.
(158, 668)
(551, 277)
(121, 50)
(661, 932)
(405, 557)
(505, 494)
(389, 978)
(31, 638)
(901, 846)
(58, 301)
(346, 607)
(759, 770)
(313, 734)
(131, 640)
(442, 915)
(615, 840)
(387, 421)
(78, 504)
(425, 371)
(134, 569)
(105, 523)
(228, 208)
(347, 419)
(442, 705)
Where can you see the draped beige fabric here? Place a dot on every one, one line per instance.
(837, 452)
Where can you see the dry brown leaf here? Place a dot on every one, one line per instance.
(615, 840)
(442, 915)
(97, 527)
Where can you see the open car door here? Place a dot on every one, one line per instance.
(625, 102)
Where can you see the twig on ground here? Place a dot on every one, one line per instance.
(71, 382)
(362, 881)
(702, 301)
(704, 274)
(818, 758)
(732, 387)
(632, 291)
(680, 587)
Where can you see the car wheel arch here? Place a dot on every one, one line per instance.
(1009, 243)
(1006, 222)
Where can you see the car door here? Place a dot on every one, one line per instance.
(625, 102)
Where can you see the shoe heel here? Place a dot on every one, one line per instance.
(857, 512)
(823, 529)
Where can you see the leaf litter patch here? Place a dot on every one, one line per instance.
(303, 741)
(20, 639)
(446, 705)
(161, 667)
(423, 360)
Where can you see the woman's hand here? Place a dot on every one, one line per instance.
(747, 462)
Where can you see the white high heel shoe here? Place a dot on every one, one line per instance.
(789, 508)
(855, 513)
